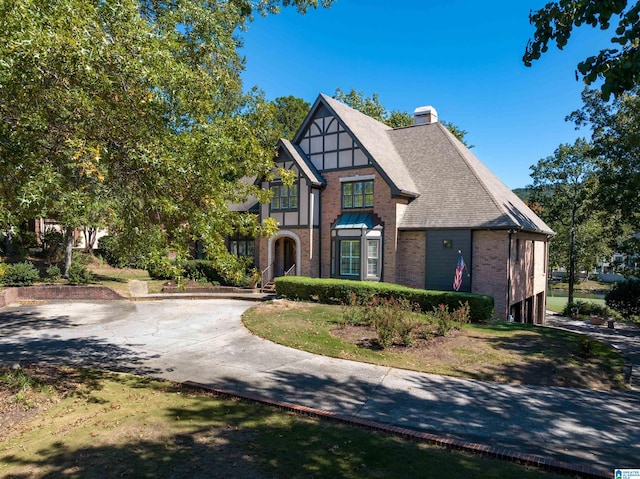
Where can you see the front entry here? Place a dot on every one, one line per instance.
(285, 255)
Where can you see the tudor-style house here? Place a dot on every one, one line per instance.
(401, 205)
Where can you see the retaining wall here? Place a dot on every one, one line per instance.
(51, 292)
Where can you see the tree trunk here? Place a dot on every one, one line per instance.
(90, 235)
(572, 257)
(69, 240)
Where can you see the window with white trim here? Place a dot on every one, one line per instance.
(373, 258)
(350, 257)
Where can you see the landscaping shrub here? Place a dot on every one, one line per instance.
(398, 320)
(624, 298)
(586, 309)
(51, 241)
(53, 273)
(446, 320)
(20, 274)
(199, 269)
(392, 319)
(110, 250)
(79, 274)
(337, 291)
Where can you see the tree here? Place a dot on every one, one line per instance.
(372, 107)
(137, 101)
(616, 144)
(564, 185)
(289, 113)
(619, 67)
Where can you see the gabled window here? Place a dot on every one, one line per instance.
(284, 197)
(357, 194)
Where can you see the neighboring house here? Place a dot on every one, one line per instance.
(400, 205)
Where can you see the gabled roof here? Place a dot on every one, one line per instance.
(372, 136)
(447, 185)
(457, 190)
(297, 155)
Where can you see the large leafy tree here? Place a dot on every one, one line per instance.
(137, 101)
(372, 107)
(619, 66)
(289, 113)
(564, 186)
(616, 144)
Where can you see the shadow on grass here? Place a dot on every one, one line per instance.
(237, 439)
(578, 426)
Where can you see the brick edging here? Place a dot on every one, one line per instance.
(531, 460)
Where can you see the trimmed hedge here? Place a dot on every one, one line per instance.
(337, 291)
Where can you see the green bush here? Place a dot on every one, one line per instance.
(624, 298)
(79, 274)
(110, 250)
(199, 269)
(51, 241)
(337, 291)
(53, 273)
(446, 320)
(3, 269)
(20, 274)
(587, 308)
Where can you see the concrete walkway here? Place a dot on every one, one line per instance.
(204, 341)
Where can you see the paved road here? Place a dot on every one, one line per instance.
(205, 342)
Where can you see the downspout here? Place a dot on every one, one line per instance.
(320, 233)
(509, 275)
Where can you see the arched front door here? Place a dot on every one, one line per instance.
(285, 255)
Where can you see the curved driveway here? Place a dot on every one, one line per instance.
(204, 341)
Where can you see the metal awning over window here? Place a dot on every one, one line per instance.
(360, 221)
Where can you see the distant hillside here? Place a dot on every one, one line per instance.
(523, 193)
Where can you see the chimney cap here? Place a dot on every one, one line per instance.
(425, 115)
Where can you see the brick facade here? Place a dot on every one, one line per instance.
(511, 269)
(384, 207)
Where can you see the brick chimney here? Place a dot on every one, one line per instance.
(424, 115)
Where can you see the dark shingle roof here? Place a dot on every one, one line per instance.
(374, 138)
(307, 168)
(456, 189)
(447, 185)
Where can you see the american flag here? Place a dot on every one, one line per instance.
(457, 280)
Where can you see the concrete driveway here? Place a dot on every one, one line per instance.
(204, 341)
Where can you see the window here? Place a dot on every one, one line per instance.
(350, 258)
(358, 194)
(284, 197)
(373, 258)
(242, 246)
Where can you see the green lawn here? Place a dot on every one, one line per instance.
(499, 351)
(557, 303)
(103, 425)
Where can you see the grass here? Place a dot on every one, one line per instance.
(105, 425)
(118, 278)
(506, 352)
(584, 286)
(557, 303)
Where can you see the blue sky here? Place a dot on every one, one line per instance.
(463, 57)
